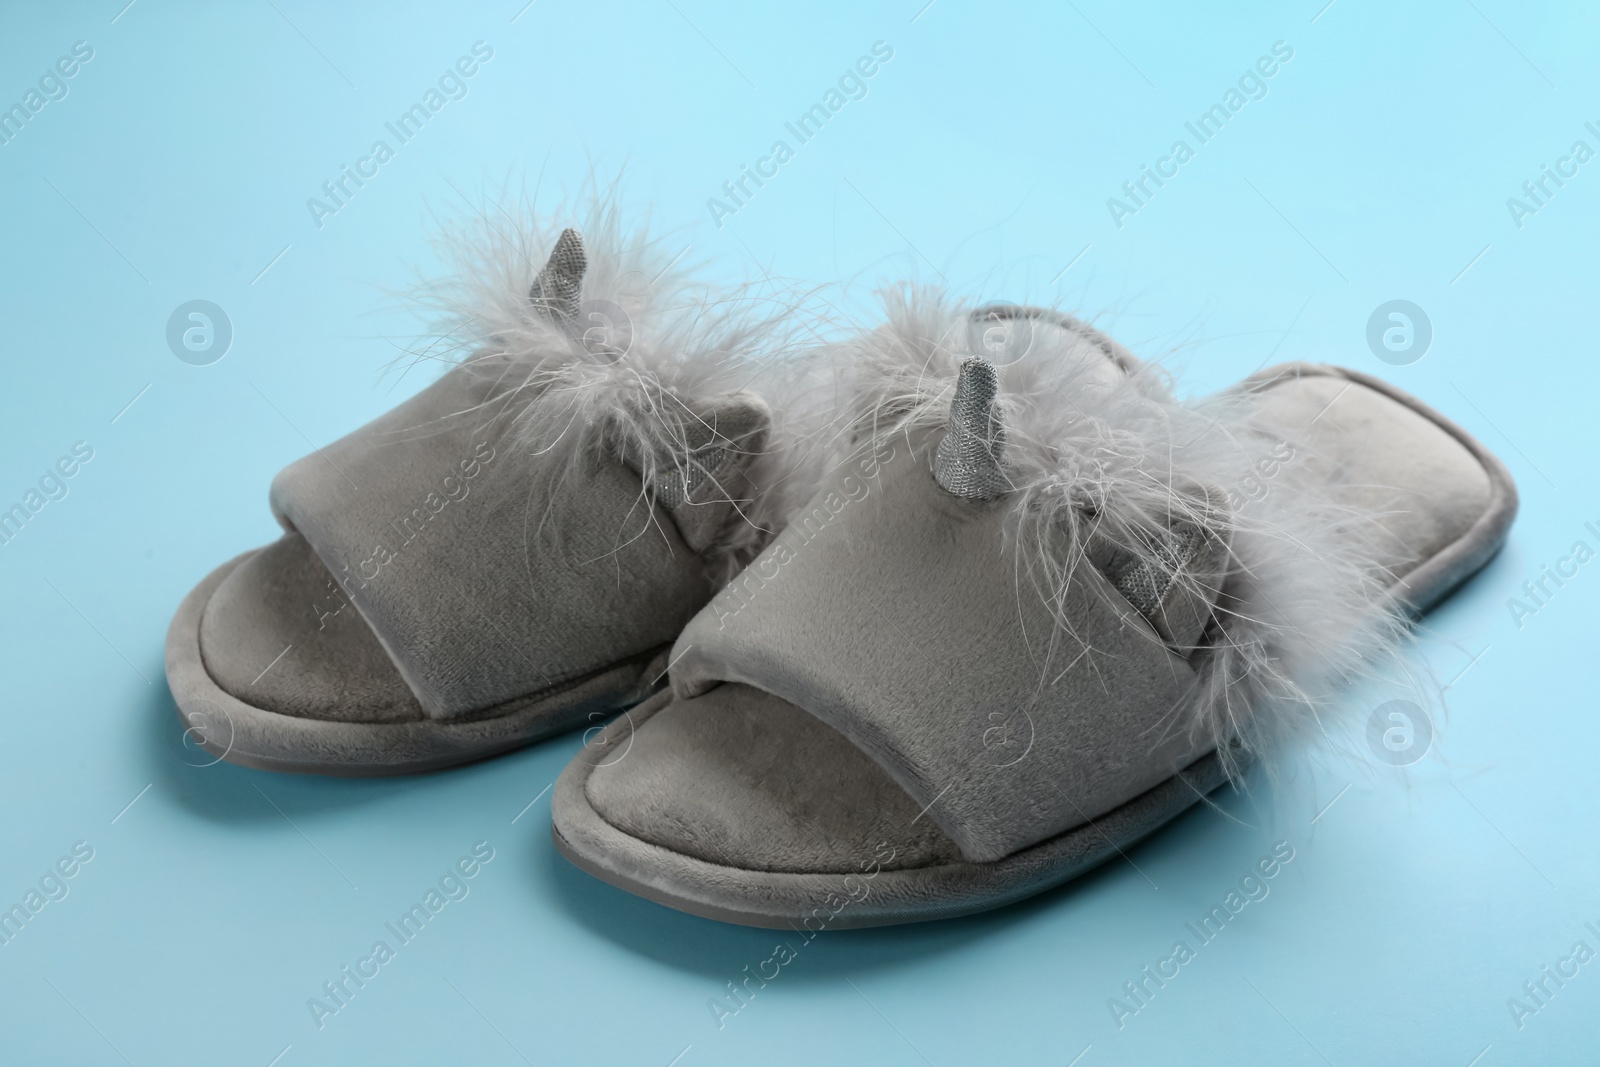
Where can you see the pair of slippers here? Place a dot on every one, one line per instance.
(899, 628)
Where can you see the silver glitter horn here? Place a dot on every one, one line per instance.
(969, 462)
(555, 291)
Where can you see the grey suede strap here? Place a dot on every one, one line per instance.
(488, 573)
(893, 611)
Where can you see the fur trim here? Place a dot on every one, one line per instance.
(634, 373)
(1105, 465)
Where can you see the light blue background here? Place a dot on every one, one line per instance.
(1377, 167)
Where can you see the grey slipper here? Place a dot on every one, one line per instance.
(511, 552)
(1038, 612)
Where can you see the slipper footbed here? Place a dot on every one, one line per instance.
(742, 778)
(280, 634)
(242, 732)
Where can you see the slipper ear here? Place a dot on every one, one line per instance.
(705, 483)
(1173, 575)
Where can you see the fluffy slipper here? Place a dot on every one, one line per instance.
(511, 552)
(1038, 612)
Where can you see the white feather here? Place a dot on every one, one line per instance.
(1306, 608)
(681, 343)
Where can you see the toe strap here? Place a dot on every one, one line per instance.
(890, 611)
(486, 573)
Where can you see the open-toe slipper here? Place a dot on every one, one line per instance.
(509, 553)
(1036, 613)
